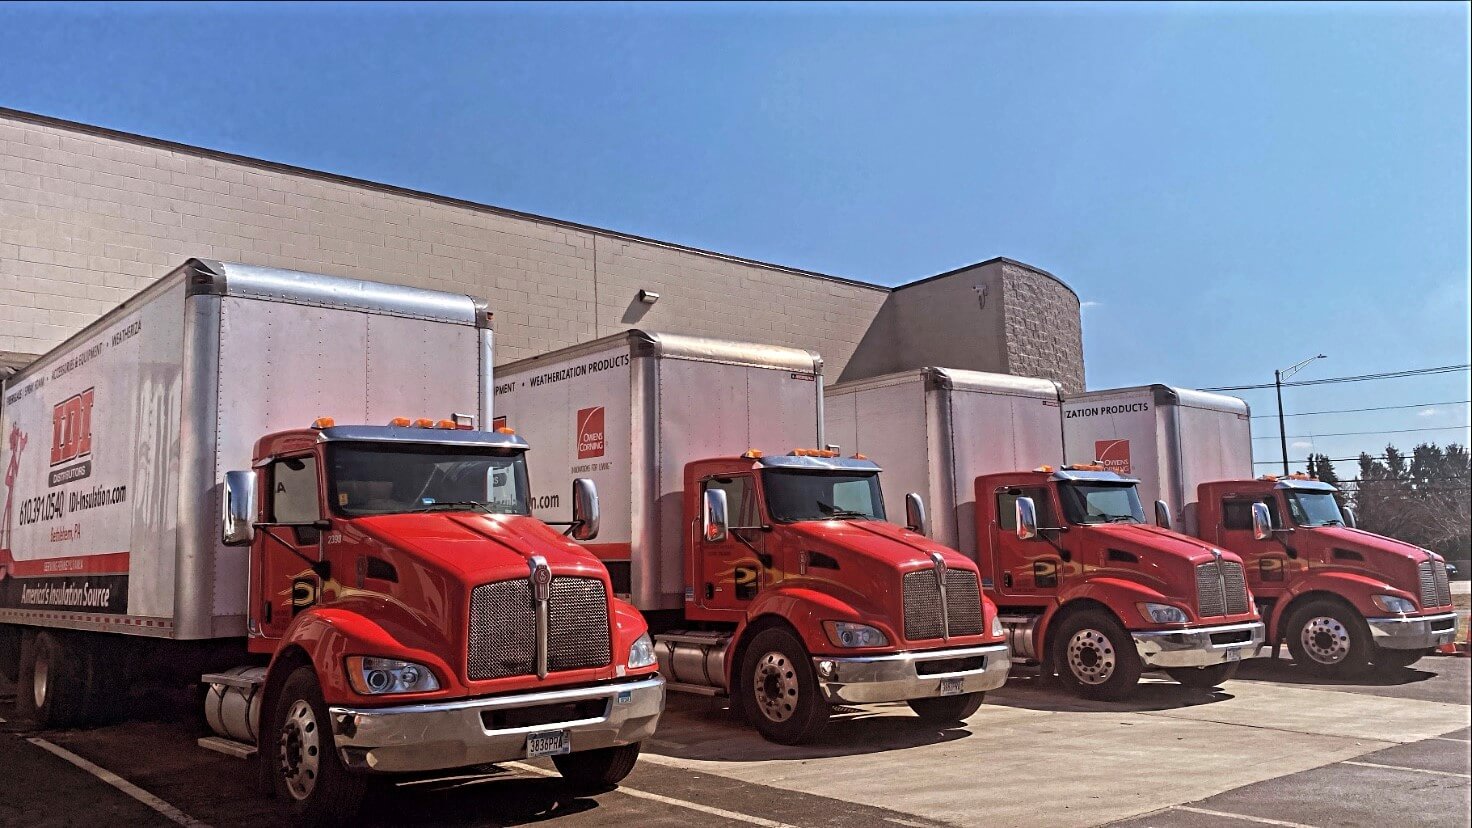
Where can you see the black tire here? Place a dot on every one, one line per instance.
(1390, 661)
(1104, 666)
(779, 691)
(305, 769)
(947, 709)
(1329, 639)
(52, 690)
(1204, 678)
(597, 770)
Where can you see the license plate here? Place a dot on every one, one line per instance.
(951, 687)
(552, 743)
(1234, 654)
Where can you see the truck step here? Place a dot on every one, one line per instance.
(229, 747)
(695, 689)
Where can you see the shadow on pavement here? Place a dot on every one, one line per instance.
(483, 796)
(1283, 670)
(704, 729)
(1032, 692)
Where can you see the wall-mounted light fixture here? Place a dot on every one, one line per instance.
(648, 297)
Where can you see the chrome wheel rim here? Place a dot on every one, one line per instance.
(40, 678)
(775, 685)
(299, 750)
(1091, 656)
(1325, 640)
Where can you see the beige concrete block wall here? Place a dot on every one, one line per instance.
(88, 219)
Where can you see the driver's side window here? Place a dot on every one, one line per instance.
(294, 490)
(741, 502)
(1007, 507)
(1237, 514)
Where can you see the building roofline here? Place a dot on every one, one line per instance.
(993, 260)
(393, 189)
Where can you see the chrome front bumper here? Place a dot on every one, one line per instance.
(444, 735)
(905, 676)
(1414, 632)
(1195, 648)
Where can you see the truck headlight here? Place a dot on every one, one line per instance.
(997, 629)
(371, 676)
(1163, 613)
(849, 634)
(641, 652)
(1391, 603)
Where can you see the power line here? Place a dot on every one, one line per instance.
(1357, 410)
(1412, 372)
(1359, 433)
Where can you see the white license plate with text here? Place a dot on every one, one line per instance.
(551, 743)
(951, 687)
(1234, 654)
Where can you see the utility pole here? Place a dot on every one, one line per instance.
(1278, 377)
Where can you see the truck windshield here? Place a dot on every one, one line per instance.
(806, 495)
(1101, 503)
(1314, 509)
(389, 478)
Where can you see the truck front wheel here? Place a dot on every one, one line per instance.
(597, 770)
(1096, 657)
(947, 709)
(1329, 639)
(1204, 678)
(306, 770)
(780, 691)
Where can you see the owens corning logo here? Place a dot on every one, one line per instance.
(1113, 455)
(71, 438)
(590, 433)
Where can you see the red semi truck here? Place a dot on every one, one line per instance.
(365, 600)
(1341, 599)
(1086, 588)
(768, 574)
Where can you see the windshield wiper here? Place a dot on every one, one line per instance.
(1122, 519)
(835, 512)
(453, 504)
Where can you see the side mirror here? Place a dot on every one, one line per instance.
(915, 515)
(1162, 514)
(1349, 519)
(1027, 519)
(238, 508)
(713, 521)
(584, 510)
(1262, 522)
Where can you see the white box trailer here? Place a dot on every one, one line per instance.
(1170, 439)
(935, 430)
(628, 411)
(115, 443)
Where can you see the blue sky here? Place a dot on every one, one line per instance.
(1229, 188)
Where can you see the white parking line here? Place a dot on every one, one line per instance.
(734, 816)
(1437, 738)
(164, 808)
(1243, 817)
(1409, 770)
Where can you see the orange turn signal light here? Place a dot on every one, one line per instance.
(507, 430)
(401, 422)
(424, 422)
(860, 457)
(753, 454)
(1044, 469)
(446, 424)
(323, 422)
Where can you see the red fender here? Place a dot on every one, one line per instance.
(805, 610)
(1351, 586)
(1119, 595)
(328, 635)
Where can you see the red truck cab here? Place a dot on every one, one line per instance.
(417, 618)
(801, 595)
(1341, 598)
(1087, 589)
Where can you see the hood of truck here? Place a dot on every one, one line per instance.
(878, 540)
(478, 548)
(1386, 559)
(1147, 540)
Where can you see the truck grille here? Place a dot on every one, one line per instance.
(1221, 589)
(1435, 590)
(923, 617)
(503, 628)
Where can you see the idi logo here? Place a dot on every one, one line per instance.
(71, 428)
(590, 432)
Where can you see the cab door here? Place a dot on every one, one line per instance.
(732, 570)
(1267, 561)
(1026, 568)
(286, 543)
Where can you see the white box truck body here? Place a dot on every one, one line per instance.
(935, 430)
(1170, 439)
(116, 441)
